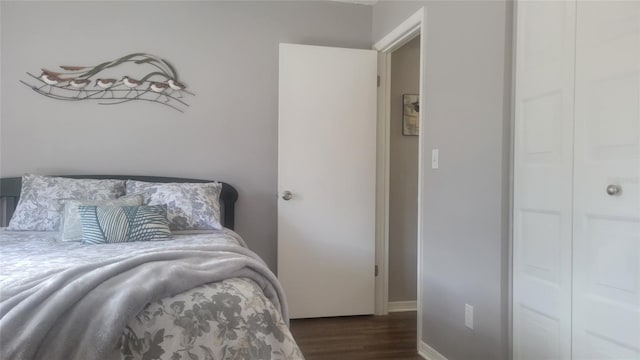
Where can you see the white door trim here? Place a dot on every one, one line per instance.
(401, 306)
(512, 138)
(410, 28)
(429, 353)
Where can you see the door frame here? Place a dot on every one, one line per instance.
(410, 28)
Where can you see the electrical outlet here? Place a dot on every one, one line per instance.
(468, 316)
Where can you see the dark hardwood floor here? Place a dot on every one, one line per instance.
(358, 337)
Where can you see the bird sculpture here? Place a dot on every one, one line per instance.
(106, 85)
(176, 86)
(159, 87)
(132, 84)
(80, 85)
(132, 77)
(50, 79)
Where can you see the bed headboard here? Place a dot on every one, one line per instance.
(10, 193)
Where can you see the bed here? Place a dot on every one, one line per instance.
(158, 279)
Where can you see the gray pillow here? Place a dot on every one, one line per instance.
(70, 226)
(190, 206)
(115, 224)
(39, 207)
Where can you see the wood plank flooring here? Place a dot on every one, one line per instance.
(358, 337)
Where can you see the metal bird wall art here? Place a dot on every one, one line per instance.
(110, 83)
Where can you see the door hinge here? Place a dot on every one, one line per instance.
(375, 271)
(378, 80)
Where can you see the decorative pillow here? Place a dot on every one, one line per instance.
(190, 206)
(70, 226)
(114, 224)
(39, 206)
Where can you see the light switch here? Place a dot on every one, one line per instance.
(468, 316)
(434, 158)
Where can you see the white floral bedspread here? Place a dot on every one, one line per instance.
(29, 253)
(230, 319)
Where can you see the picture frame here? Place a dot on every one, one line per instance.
(410, 114)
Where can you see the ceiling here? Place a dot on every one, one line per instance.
(364, 2)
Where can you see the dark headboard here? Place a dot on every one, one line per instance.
(10, 193)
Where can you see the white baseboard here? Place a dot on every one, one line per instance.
(429, 353)
(398, 306)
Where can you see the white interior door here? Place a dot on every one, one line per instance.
(542, 181)
(606, 312)
(326, 159)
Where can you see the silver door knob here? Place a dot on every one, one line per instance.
(613, 189)
(287, 195)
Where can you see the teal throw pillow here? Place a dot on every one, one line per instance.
(114, 224)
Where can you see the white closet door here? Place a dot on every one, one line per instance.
(606, 310)
(543, 180)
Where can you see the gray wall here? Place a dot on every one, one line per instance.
(226, 52)
(403, 177)
(465, 223)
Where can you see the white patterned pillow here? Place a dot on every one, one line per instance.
(190, 206)
(39, 206)
(70, 226)
(114, 224)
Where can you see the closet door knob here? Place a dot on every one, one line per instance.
(287, 195)
(613, 189)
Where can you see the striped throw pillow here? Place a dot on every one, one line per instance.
(70, 226)
(114, 224)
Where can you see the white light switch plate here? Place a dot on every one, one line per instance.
(468, 316)
(434, 158)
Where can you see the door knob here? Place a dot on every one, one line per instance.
(613, 189)
(287, 195)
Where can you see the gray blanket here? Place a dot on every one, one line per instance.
(79, 312)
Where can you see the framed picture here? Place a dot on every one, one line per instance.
(410, 114)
